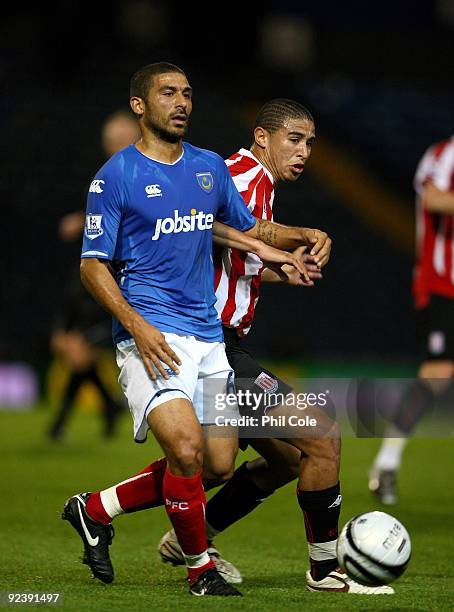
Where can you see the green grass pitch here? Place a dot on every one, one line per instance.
(41, 553)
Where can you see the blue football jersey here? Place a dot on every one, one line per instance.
(153, 221)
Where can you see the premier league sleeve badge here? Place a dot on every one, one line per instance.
(93, 227)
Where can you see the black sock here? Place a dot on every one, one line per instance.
(321, 510)
(417, 400)
(235, 499)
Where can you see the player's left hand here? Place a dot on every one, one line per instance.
(320, 244)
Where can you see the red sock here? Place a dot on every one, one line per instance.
(141, 491)
(185, 504)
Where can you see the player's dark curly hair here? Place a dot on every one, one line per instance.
(274, 114)
(142, 80)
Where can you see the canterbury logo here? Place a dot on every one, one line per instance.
(187, 223)
(95, 186)
(90, 540)
(153, 191)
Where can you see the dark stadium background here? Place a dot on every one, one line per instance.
(377, 76)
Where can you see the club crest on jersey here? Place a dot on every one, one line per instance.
(93, 227)
(206, 181)
(265, 382)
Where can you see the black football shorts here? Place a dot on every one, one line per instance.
(436, 329)
(257, 388)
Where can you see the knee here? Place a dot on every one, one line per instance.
(219, 472)
(186, 456)
(436, 369)
(436, 375)
(285, 467)
(326, 448)
(292, 467)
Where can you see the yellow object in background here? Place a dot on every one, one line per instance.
(88, 398)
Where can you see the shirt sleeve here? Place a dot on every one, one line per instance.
(103, 216)
(232, 209)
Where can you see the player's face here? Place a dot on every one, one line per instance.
(289, 147)
(168, 106)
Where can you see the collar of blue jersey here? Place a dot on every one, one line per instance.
(158, 161)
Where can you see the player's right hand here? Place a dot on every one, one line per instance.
(293, 277)
(154, 350)
(271, 255)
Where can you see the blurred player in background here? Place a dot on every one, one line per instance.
(146, 258)
(82, 327)
(433, 289)
(119, 130)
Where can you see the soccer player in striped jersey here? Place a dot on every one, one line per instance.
(146, 258)
(433, 290)
(283, 137)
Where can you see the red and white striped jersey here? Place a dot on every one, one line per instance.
(237, 275)
(434, 270)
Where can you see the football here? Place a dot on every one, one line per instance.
(374, 548)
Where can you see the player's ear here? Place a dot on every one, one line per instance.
(261, 137)
(137, 105)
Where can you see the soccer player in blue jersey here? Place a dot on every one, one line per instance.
(146, 258)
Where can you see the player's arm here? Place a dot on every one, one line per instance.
(105, 207)
(290, 275)
(436, 201)
(234, 213)
(151, 344)
(286, 237)
(226, 236)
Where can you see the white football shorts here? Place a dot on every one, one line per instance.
(204, 374)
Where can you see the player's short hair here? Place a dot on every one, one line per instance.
(274, 114)
(142, 80)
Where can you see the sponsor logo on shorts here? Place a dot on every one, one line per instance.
(168, 370)
(266, 382)
(437, 343)
(93, 227)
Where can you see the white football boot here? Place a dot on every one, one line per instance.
(337, 581)
(171, 552)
